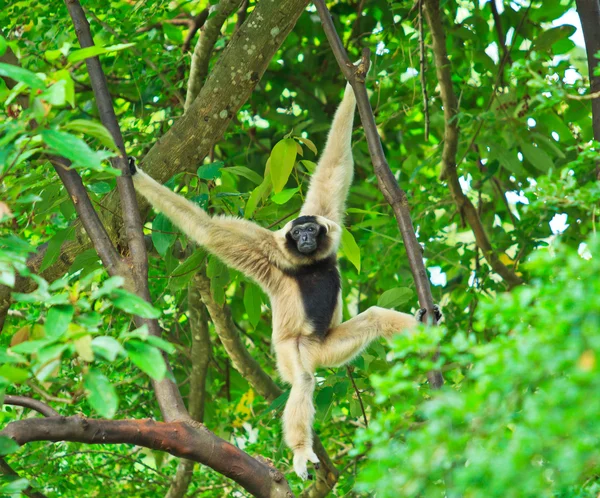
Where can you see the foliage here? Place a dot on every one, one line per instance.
(519, 400)
(519, 417)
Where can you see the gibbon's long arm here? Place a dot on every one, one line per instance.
(331, 180)
(241, 244)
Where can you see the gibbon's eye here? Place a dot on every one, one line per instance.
(296, 232)
(311, 229)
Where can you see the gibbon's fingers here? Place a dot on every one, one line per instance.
(348, 339)
(301, 459)
(436, 311)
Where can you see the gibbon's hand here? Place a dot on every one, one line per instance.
(132, 165)
(436, 310)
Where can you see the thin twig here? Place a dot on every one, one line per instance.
(362, 407)
(422, 69)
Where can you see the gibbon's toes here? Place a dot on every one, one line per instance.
(300, 467)
(301, 459)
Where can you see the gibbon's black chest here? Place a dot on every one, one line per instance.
(319, 285)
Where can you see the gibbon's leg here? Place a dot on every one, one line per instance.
(348, 339)
(299, 411)
(331, 180)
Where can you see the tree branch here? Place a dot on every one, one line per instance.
(32, 404)
(189, 440)
(589, 14)
(167, 393)
(89, 217)
(388, 185)
(204, 48)
(449, 151)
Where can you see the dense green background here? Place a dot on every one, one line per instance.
(518, 415)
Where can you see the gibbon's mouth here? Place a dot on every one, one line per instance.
(307, 248)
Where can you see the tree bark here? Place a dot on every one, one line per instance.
(589, 14)
(189, 440)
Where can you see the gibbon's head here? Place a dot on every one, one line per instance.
(311, 238)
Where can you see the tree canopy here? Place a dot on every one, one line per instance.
(489, 120)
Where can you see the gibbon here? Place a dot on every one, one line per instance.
(297, 267)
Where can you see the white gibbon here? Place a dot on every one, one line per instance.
(297, 267)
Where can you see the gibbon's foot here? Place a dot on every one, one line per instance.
(301, 459)
(132, 165)
(436, 310)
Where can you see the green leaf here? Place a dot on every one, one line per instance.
(210, 171)
(14, 374)
(55, 94)
(245, 172)
(3, 45)
(22, 75)
(550, 36)
(7, 445)
(74, 149)
(309, 143)
(107, 347)
(393, 298)
(160, 343)
(507, 159)
(163, 234)
(130, 303)
(93, 129)
(173, 33)
(309, 165)
(183, 273)
(253, 303)
(85, 53)
(58, 320)
(108, 286)
(350, 248)
(260, 193)
(147, 358)
(69, 86)
(549, 143)
(537, 157)
(284, 196)
(283, 158)
(15, 486)
(54, 245)
(100, 393)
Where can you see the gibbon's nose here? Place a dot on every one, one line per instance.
(304, 237)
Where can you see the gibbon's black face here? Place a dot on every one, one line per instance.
(306, 235)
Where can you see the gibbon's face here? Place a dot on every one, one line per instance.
(306, 235)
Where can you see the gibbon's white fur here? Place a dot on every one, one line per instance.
(304, 289)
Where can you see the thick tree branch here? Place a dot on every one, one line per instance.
(189, 440)
(32, 404)
(204, 48)
(388, 185)
(197, 24)
(589, 14)
(451, 134)
(184, 146)
(167, 393)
